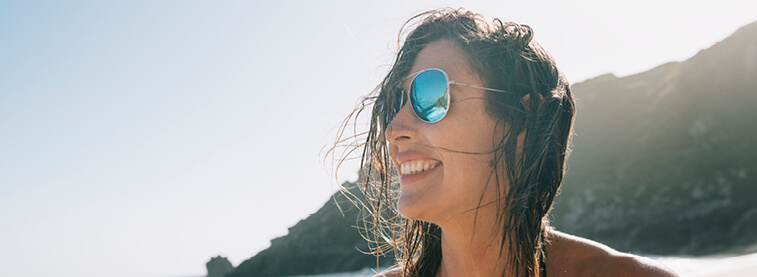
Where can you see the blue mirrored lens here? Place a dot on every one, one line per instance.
(429, 95)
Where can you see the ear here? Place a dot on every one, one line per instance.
(526, 101)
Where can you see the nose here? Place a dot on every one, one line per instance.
(401, 128)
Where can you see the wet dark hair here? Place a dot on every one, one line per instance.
(540, 107)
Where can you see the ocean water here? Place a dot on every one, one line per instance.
(366, 272)
(720, 265)
(710, 266)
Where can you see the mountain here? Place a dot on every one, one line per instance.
(326, 241)
(664, 162)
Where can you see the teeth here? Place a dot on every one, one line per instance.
(412, 167)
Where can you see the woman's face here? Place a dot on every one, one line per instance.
(457, 149)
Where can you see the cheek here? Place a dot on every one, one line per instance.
(471, 173)
(467, 175)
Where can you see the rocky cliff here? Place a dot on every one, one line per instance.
(665, 161)
(326, 241)
(218, 267)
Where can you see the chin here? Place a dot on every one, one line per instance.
(413, 208)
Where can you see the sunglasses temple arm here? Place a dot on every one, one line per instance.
(478, 87)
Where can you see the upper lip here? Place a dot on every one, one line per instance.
(411, 156)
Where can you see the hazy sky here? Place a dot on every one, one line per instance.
(143, 138)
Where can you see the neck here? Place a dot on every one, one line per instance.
(471, 245)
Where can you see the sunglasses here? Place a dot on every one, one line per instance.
(429, 94)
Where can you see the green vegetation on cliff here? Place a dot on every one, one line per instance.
(665, 161)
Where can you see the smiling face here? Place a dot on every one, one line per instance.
(445, 167)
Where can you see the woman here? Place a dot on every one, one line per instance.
(468, 139)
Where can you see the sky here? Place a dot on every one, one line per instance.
(142, 138)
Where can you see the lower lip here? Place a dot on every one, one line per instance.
(406, 179)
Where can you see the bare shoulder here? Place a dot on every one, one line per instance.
(569, 255)
(395, 272)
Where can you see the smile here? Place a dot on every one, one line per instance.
(416, 166)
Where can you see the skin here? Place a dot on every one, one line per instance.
(457, 194)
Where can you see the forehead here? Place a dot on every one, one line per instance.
(445, 55)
